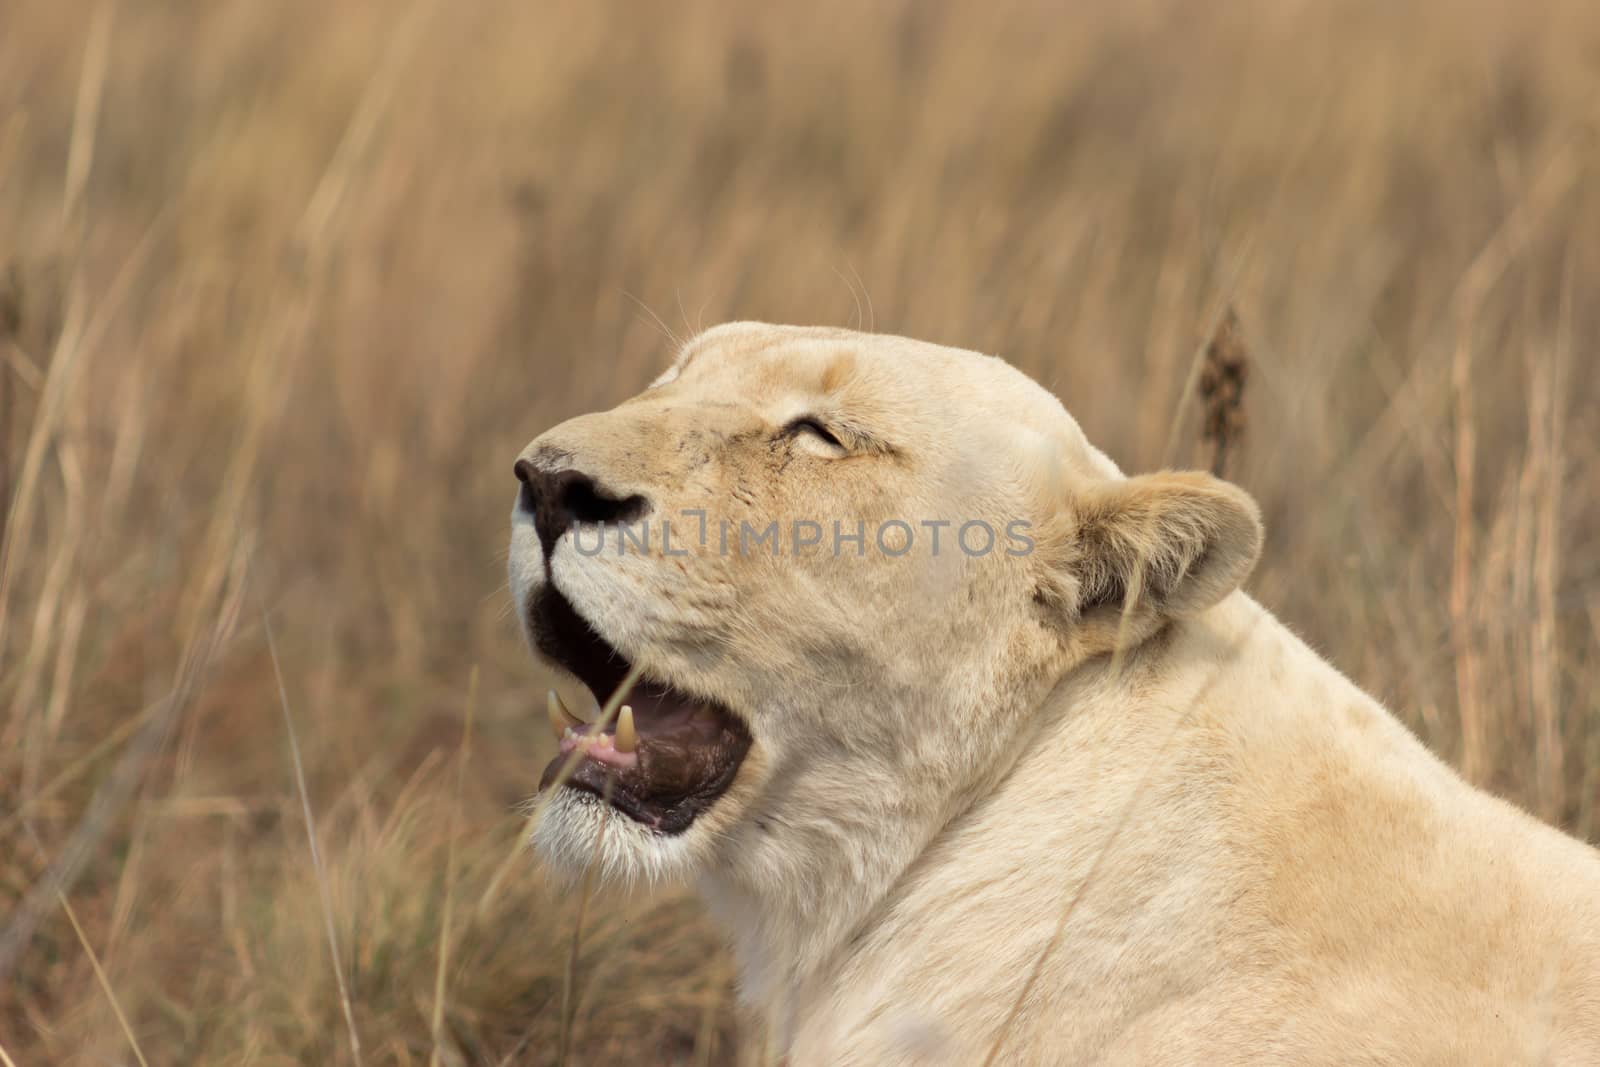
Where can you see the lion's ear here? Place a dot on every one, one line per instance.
(1176, 543)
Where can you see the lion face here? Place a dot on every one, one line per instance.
(844, 568)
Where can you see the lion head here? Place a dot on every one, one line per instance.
(844, 569)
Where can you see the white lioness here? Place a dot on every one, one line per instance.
(975, 748)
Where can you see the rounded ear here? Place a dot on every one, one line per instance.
(1175, 542)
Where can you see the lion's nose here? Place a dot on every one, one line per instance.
(561, 499)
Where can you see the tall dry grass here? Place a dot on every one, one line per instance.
(284, 288)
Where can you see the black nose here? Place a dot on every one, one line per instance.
(559, 500)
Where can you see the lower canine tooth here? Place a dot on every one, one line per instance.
(561, 719)
(626, 739)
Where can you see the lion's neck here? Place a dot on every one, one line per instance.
(821, 865)
(892, 889)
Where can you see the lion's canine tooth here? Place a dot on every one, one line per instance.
(626, 740)
(561, 719)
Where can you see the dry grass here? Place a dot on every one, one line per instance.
(284, 288)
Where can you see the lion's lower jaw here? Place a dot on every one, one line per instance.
(577, 831)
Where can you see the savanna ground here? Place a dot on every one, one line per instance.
(285, 287)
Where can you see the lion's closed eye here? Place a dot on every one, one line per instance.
(812, 428)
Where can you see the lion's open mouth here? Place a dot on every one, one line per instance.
(667, 760)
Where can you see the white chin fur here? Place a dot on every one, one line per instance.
(628, 854)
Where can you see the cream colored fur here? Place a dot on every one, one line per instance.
(1089, 803)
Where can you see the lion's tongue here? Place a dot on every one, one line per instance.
(660, 746)
(601, 748)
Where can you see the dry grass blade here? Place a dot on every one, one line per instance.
(569, 982)
(1105, 850)
(1065, 917)
(5, 1058)
(74, 770)
(91, 86)
(78, 336)
(705, 1038)
(1474, 754)
(1222, 382)
(1547, 431)
(105, 983)
(323, 889)
(1130, 602)
(1486, 269)
(437, 1023)
(1197, 362)
(109, 799)
(607, 714)
(358, 133)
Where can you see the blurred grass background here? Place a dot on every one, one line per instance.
(285, 287)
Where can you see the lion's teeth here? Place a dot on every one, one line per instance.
(561, 720)
(626, 740)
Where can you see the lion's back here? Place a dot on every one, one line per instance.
(1399, 903)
